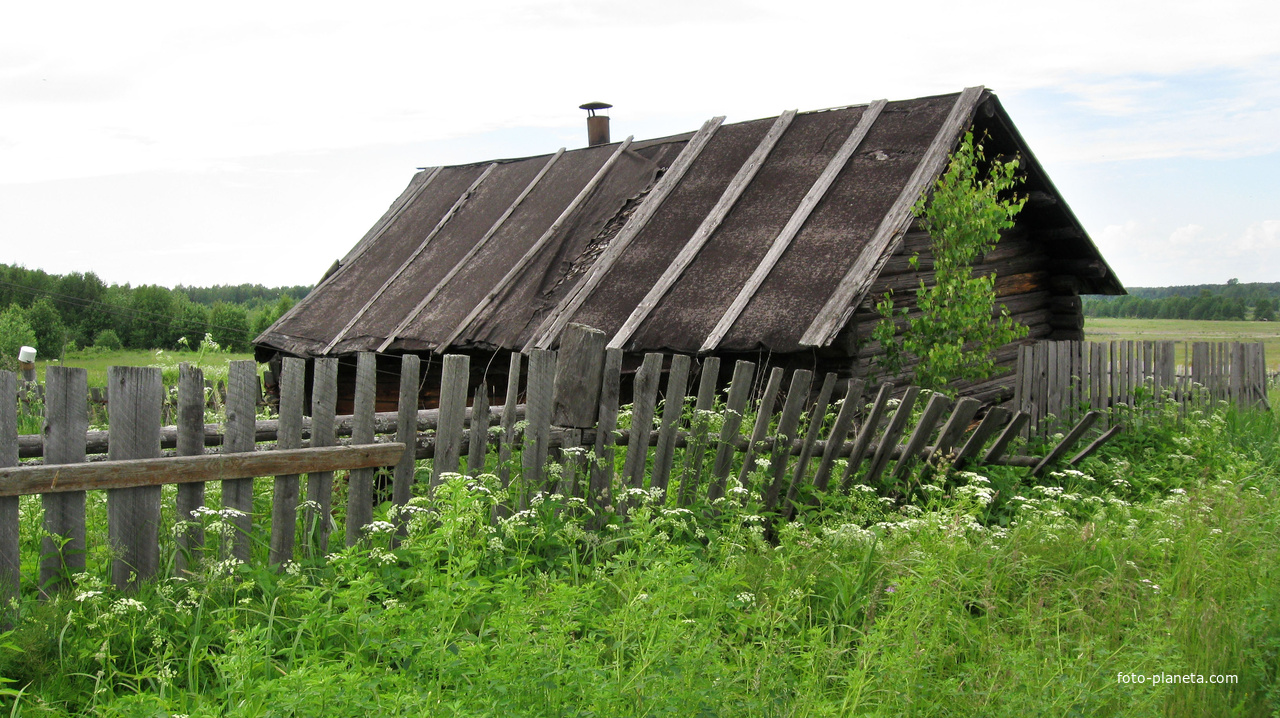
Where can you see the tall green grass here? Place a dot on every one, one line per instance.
(986, 594)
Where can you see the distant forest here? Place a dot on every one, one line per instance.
(1231, 301)
(56, 311)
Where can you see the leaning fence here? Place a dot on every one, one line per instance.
(790, 440)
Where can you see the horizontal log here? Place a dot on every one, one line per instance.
(1087, 268)
(1066, 305)
(1013, 267)
(1006, 250)
(864, 321)
(24, 480)
(1066, 321)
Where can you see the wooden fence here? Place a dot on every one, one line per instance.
(571, 401)
(1058, 382)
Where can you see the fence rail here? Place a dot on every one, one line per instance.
(785, 441)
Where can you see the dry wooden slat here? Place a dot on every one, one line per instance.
(478, 448)
(66, 408)
(764, 414)
(10, 548)
(422, 247)
(509, 419)
(868, 431)
(284, 497)
(134, 395)
(360, 481)
(955, 427)
(605, 451)
(537, 433)
(672, 411)
(466, 258)
(238, 436)
(695, 454)
(407, 431)
(1008, 435)
(555, 321)
(919, 439)
(190, 535)
(318, 520)
(839, 431)
(1236, 372)
(579, 363)
(488, 302)
(857, 280)
(453, 409)
(817, 418)
(645, 396)
(889, 440)
(735, 407)
(801, 214)
(703, 233)
(991, 423)
(788, 424)
(1077, 432)
(1093, 446)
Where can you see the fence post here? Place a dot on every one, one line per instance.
(324, 397)
(696, 448)
(579, 367)
(240, 436)
(672, 412)
(511, 400)
(66, 410)
(537, 432)
(284, 495)
(407, 429)
(600, 493)
(453, 412)
(190, 534)
(10, 557)
(134, 395)
(360, 481)
(788, 423)
(644, 398)
(478, 447)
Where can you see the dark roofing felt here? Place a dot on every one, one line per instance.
(467, 255)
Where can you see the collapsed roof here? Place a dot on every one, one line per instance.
(754, 235)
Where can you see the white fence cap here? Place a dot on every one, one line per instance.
(27, 354)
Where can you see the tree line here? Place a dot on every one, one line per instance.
(53, 312)
(1230, 301)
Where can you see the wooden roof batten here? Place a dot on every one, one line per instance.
(475, 249)
(794, 224)
(549, 331)
(859, 277)
(422, 246)
(486, 304)
(703, 233)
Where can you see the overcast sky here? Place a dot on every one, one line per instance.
(186, 143)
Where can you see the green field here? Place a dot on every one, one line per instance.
(1099, 329)
(214, 364)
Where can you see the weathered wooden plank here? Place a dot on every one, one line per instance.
(889, 440)
(839, 431)
(734, 412)
(238, 436)
(579, 364)
(509, 419)
(696, 452)
(537, 433)
(868, 431)
(555, 321)
(407, 433)
(417, 252)
(453, 409)
(1077, 432)
(672, 411)
(487, 303)
(919, 439)
(134, 396)
(318, 520)
(360, 481)
(190, 534)
(644, 398)
(478, 448)
(955, 428)
(600, 494)
(703, 233)
(816, 419)
(801, 214)
(835, 313)
(284, 497)
(466, 258)
(66, 408)
(764, 414)
(10, 546)
(1008, 435)
(1093, 446)
(788, 424)
(991, 423)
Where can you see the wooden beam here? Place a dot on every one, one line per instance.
(794, 224)
(1097, 443)
(1073, 436)
(422, 246)
(24, 480)
(547, 332)
(858, 279)
(466, 258)
(704, 231)
(486, 304)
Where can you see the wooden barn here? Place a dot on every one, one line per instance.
(769, 239)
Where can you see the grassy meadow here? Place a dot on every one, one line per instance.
(980, 593)
(96, 361)
(1103, 329)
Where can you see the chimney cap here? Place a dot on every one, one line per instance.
(591, 107)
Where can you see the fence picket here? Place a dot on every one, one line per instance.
(600, 493)
(889, 440)
(865, 435)
(190, 534)
(284, 495)
(66, 421)
(318, 520)
(929, 418)
(696, 449)
(642, 408)
(764, 415)
(817, 417)
(735, 411)
(453, 411)
(672, 411)
(839, 432)
(478, 445)
(537, 432)
(508, 439)
(360, 481)
(10, 555)
(407, 432)
(788, 423)
(134, 396)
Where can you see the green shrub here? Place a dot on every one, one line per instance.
(108, 339)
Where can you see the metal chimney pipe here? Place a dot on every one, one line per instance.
(597, 125)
